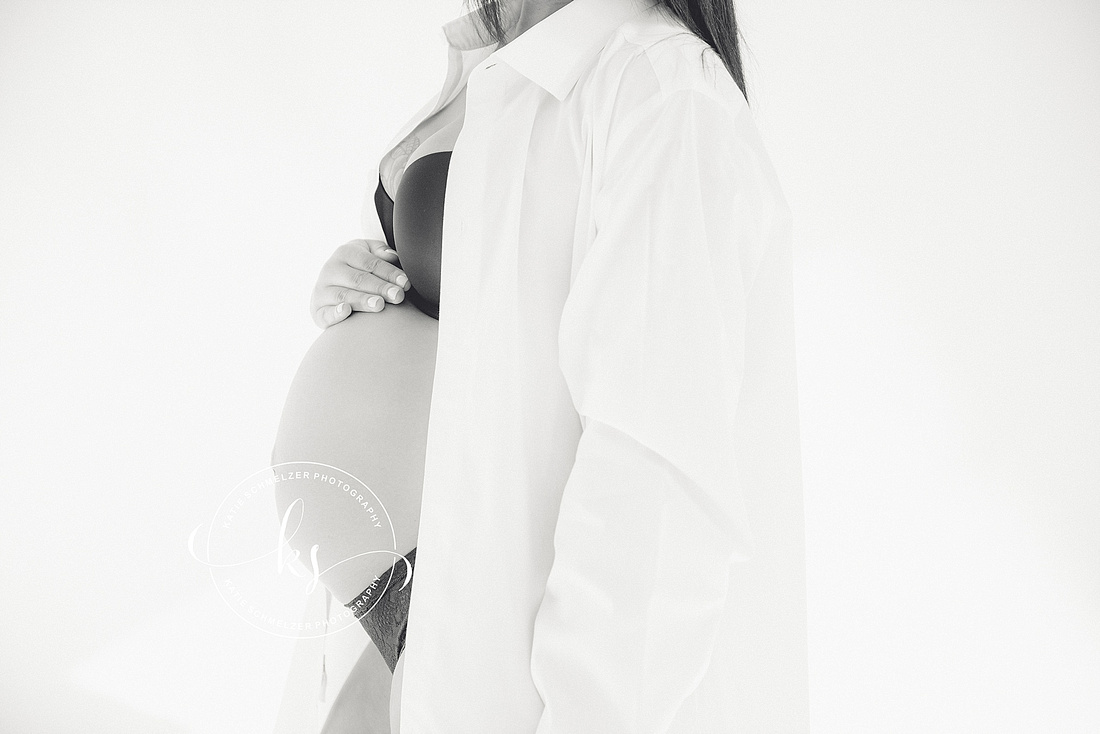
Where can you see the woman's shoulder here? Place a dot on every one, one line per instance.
(653, 56)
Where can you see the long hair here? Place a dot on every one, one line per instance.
(714, 21)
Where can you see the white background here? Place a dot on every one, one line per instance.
(172, 175)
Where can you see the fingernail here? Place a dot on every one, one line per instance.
(402, 281)
(374, 301)
(341, 308)
(394, 291)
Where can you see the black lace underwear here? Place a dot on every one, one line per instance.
(385, 617)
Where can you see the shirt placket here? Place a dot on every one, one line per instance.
(485, 204)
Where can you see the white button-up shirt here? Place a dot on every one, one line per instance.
(611, 537)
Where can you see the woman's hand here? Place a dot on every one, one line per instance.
(360, 276)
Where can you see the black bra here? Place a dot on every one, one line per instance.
(413, 223)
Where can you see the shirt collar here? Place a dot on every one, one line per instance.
(554, 52)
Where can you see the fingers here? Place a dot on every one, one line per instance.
(360, 270)
(326, 316)
(358, 277)
(381, 249)
(364, 282)
(338, 313)
(334, 304)
(358, 255)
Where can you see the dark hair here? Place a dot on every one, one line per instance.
(713, 21)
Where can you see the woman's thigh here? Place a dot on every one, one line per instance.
(395, 694)
(363, 704)
(360, 402)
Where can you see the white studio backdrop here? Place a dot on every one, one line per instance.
(172, 176)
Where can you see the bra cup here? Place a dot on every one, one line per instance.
(418, 227)
(436, 134)
(415, 171)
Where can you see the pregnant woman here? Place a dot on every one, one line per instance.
(604, 510)
(360, 400)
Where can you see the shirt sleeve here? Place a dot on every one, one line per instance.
(651, 345)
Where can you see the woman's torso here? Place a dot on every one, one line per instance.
(361, 396)
(409, 199)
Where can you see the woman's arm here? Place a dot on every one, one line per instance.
(652, 348)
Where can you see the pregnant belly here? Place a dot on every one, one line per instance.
(360, 402)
